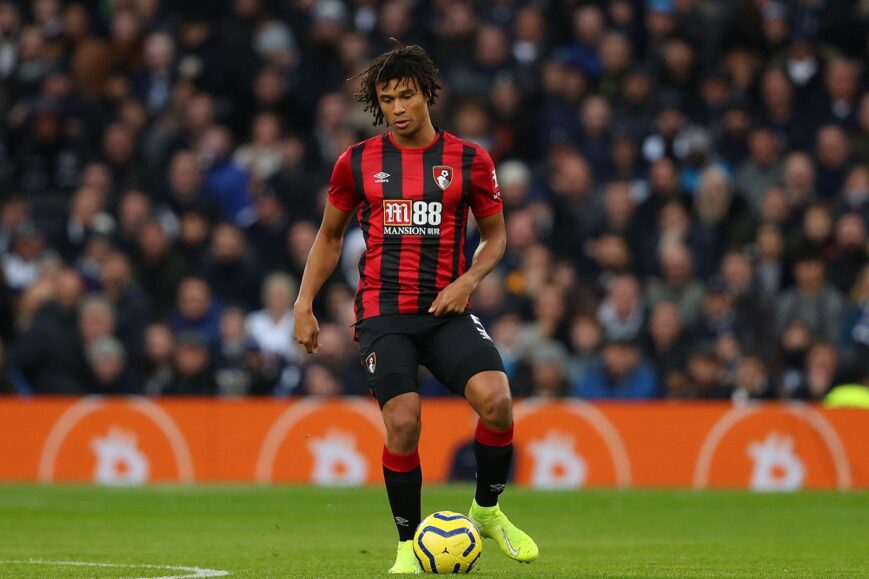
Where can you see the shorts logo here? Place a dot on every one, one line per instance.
(397, 212)
(371, 362)
(443, 176)
(480, 328)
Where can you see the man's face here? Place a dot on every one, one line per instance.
(194, 299)
(107, 369)
(620, 359)
(403, 105)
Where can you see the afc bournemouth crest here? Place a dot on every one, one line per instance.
(371, 362)
(443, 176)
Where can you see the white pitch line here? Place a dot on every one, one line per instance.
(190, 572)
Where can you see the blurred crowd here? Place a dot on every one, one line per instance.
(686, 189)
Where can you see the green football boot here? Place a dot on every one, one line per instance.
(494, 524)
(405, 560)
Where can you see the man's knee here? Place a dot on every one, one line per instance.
(496, 405)
(403, 424)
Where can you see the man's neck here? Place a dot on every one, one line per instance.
(418, 140)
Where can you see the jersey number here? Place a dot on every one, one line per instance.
(427, 213)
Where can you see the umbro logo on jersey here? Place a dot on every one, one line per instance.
(371, 362)
(382, 177)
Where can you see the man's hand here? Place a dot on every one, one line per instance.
(452, 299)
(306, 330)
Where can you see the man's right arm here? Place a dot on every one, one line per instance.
(322, 259)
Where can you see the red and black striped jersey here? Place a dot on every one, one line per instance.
(413, 211)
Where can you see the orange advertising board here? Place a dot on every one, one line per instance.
(564, 444)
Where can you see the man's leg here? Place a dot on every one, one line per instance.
(489, 394)
(390, 359)
(402, 473)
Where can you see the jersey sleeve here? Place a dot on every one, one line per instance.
(485, 193)
(342, 189)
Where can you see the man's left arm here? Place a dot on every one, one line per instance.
(493, 240)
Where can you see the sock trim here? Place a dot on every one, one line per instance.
(492, 437)
(400, 462)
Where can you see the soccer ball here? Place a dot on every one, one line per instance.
(447, 542)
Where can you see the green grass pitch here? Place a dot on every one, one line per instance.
(286, 531)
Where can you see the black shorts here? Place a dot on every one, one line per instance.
(453, 348)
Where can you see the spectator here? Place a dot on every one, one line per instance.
(834, 155)
(185, 185)
(849, 255)
(223, 176)
(812, 301)
(21, 266)
(752, 380)
(158, 270)
(817, 231)
(272, 327)
(49, 353)
(549, 318)
(794, 344)
(548, 379)
(622, 313)
(194, 234)
(490, 298)
(761, 170)
(154, 84)
(109, 368)
(704, 377)
(619, 209)
(299, 239)
(193, 373)
(232, 375)
(336, 356)
(717, 317)
(842, 84)
(667, 347)
(771, 267)
(751, 306)
(721, 212)
(96, 320)
(86, 217)
(130, 302)
(262, 156)
(621, 375)
(798, 180)
(855, 193)
(575, 209)
(678, 284)
(854, 341)
(232, 270)
(321, 381)
(134, 209)
(159, 347)
(196, 312)
(821, 372)
(268, 228)
(586, 337)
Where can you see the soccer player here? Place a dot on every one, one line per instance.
(412, 188)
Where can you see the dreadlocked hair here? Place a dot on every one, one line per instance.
(410, 62)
